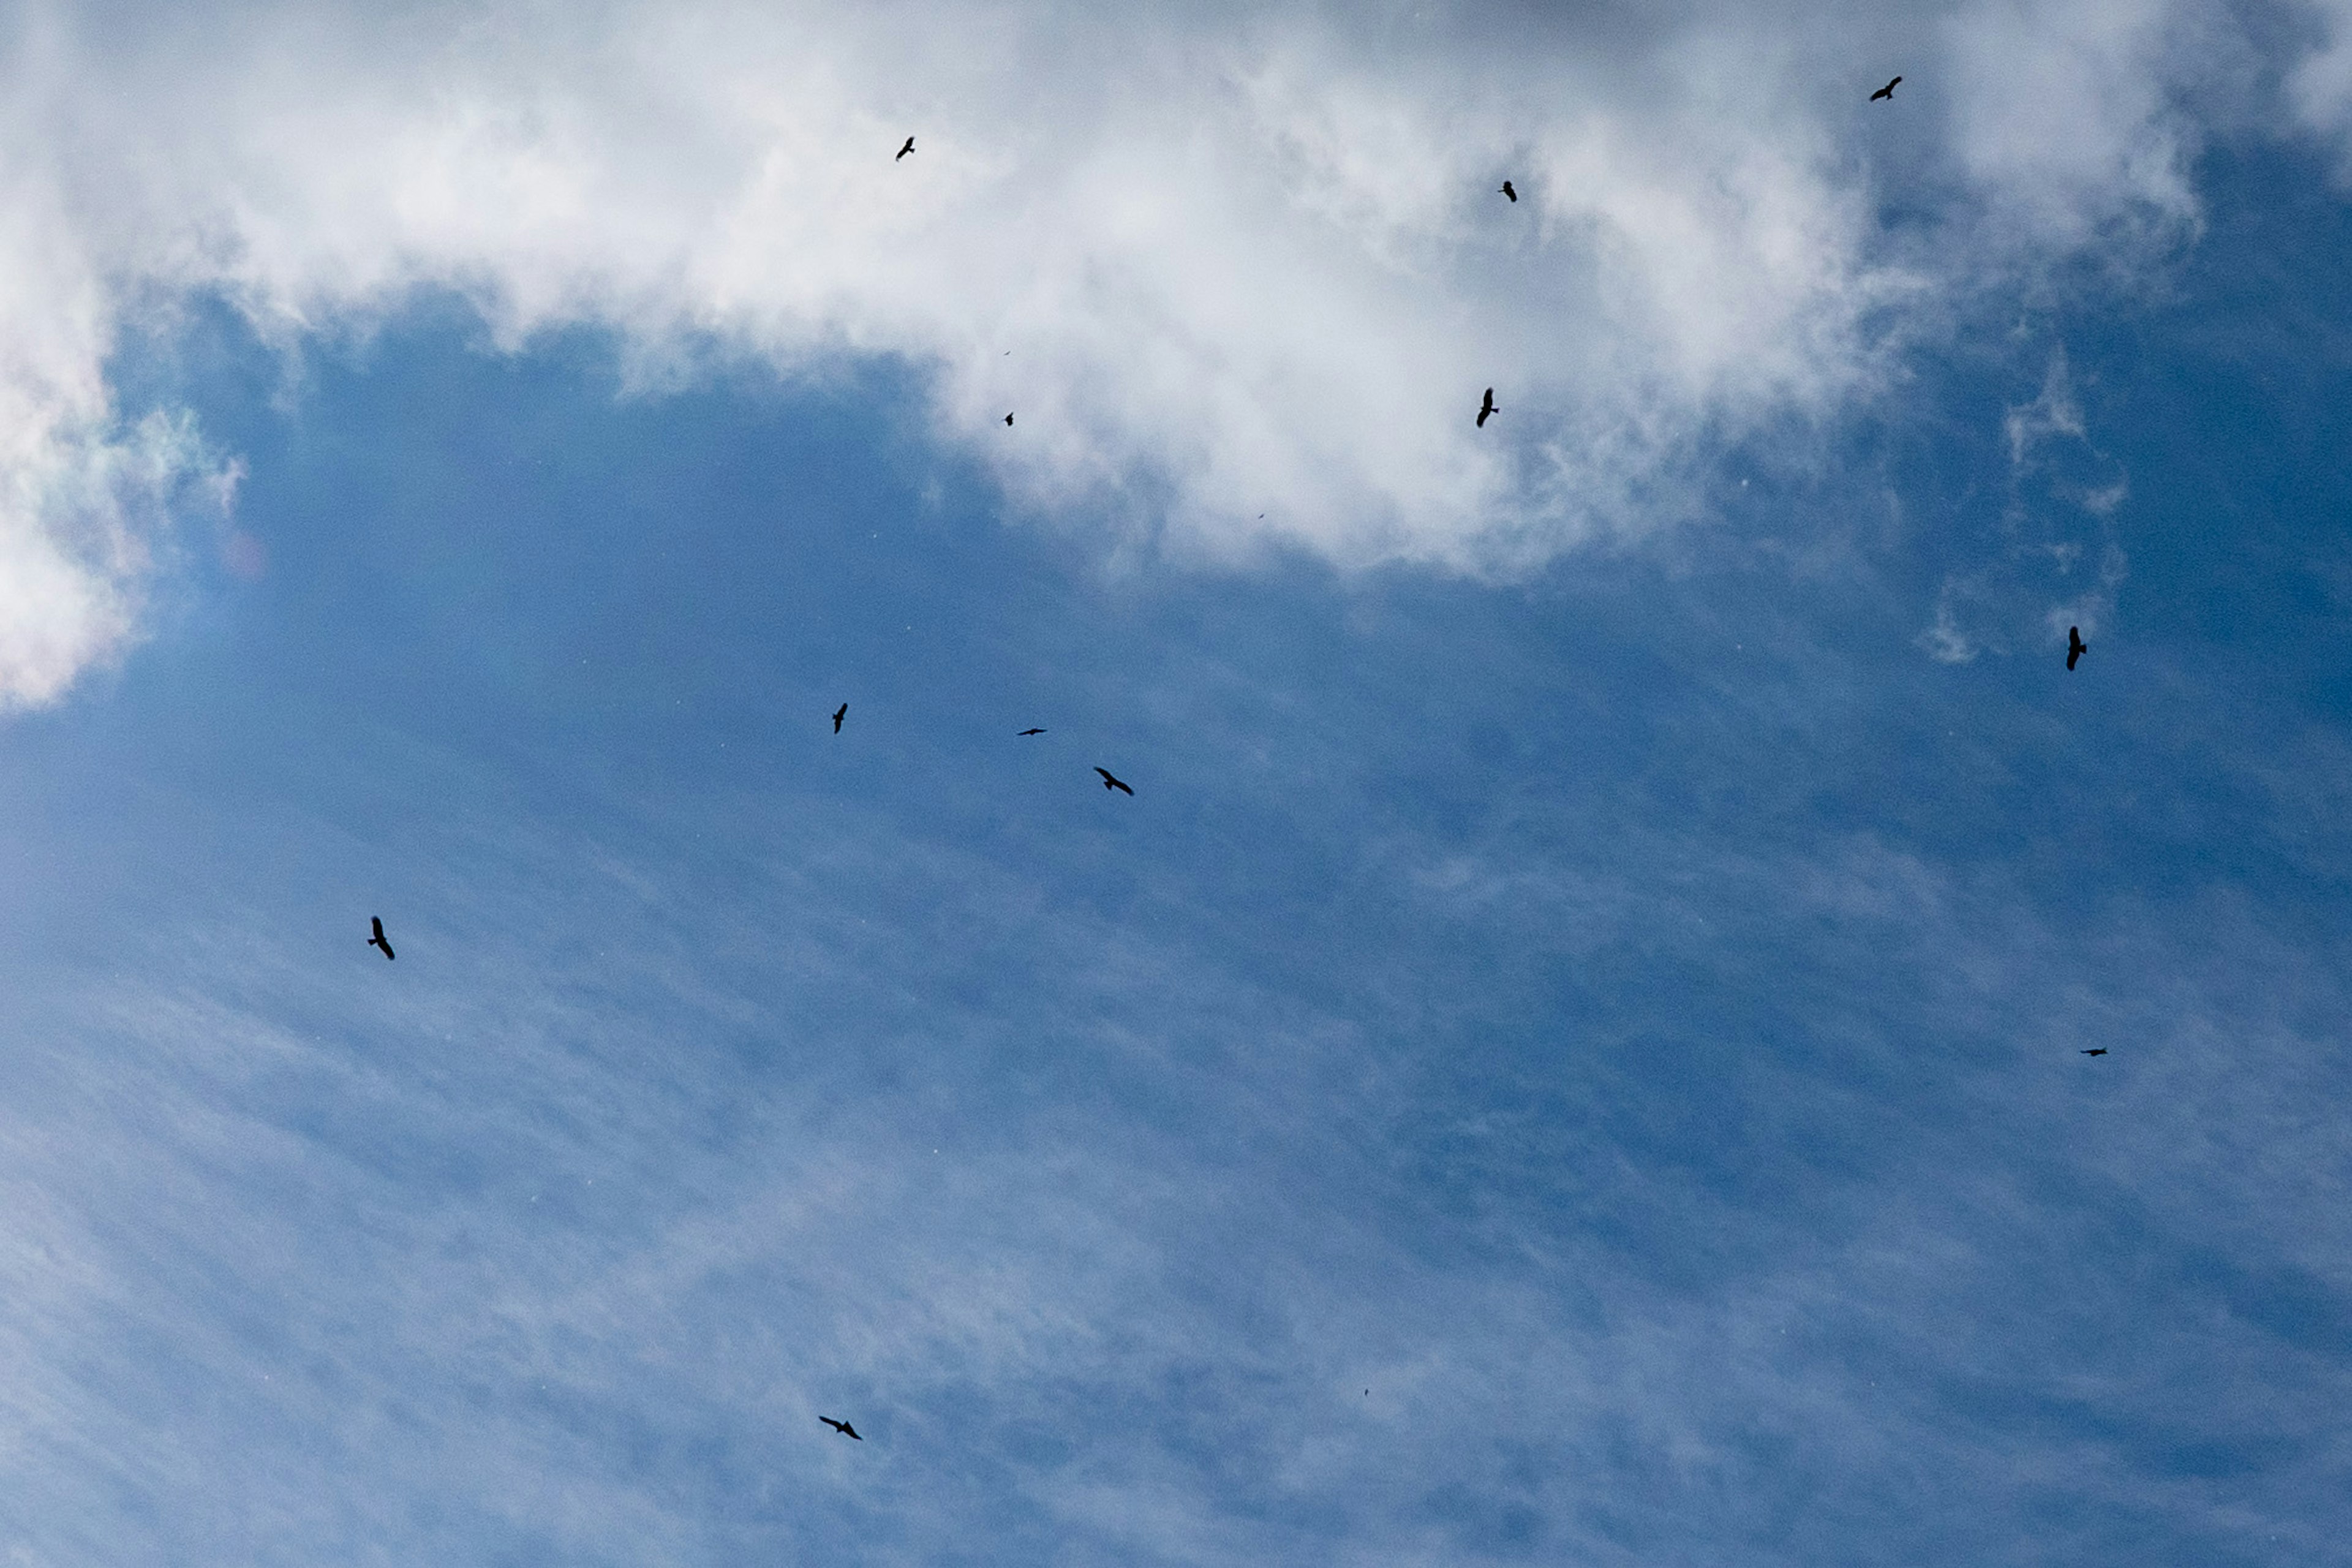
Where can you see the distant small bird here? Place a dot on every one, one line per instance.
(843, 1427)
(1033, 732)
(1886, 91)
(377, 940)
(1508, 192)
(2100, 1052)
(838, 715)
(1486, 409)
(1008, 419)
(910, 144)
(1110, 783)
(2075, 647)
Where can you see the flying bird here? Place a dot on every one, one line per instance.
(1485, 409)
(2100, 1052)
(2075, 647)
(910, 143)
(1008, 419)
(843, 1427)
(377, 940)
(1033, 732)
(1508, 192)
(1110, 783)
(838, 715)
(1887, 91)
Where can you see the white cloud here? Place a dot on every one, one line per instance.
(2319, 89)
(1246, 262)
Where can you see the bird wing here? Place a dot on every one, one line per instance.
(1120, 785)
(1106, 773)
(849, 1431)
(375, 924)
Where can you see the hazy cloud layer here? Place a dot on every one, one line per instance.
(1222, 262)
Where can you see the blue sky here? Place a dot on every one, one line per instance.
(1571, 1053)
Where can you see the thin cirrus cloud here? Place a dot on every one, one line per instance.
(1248, 262)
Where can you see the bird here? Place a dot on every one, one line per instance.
(1033, 732)
(377, 940)
(1887, 91)
(1508, 192)
(1485, 409)
(838, 715)
(1110, 783)
(1008, 419)
(843, 1427)
(2075, 647)
(910, 147)
(2100, 1051)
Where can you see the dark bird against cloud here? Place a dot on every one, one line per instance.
(1508, 192)
(377, 940)
(843, 1427)
(1886, 91)
(1008, 419)
(1485, 409)
(907, 149)
(838, 715)
(1110, 783)
(2075, 647)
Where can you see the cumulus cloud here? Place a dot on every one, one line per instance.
(1247, 260)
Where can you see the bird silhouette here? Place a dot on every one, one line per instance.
(1033, 732)
(1508, 192)
(1110, 783)
(377, 940)
(1887, 91)
(909, 148)
(1485, 409)
(1008, 419)
(838, 715)
(2075, 647)
(843, 1427)
(2099, 1052)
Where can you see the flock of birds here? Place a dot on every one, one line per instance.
(1487, 408)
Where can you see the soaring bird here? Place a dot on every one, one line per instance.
(1008, 419)
(1110, 783)
(1508, 192)
(1485, 409)
(377, 940)
(1887, 91)
(2099, 1052)
(2075, 647)
(910, 141)
(1033, 732)
(843, 1427)
(838, 715)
